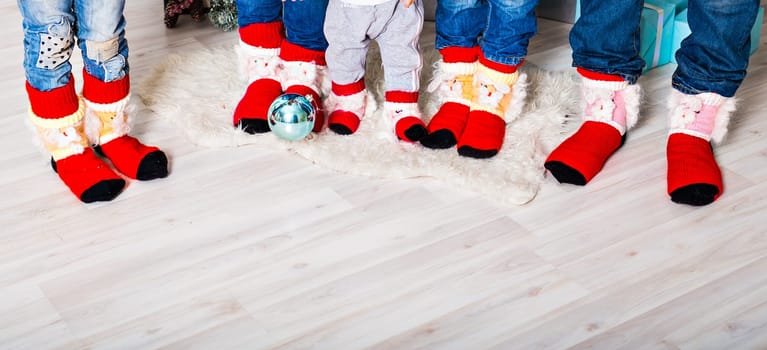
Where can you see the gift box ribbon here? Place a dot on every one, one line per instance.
(658, 33)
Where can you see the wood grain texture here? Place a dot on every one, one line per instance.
(246, 248)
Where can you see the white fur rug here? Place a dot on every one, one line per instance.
(199, 90)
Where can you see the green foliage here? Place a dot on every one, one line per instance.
(223, 14)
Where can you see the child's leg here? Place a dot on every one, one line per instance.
(610, 66)
(56, 110)
(499, 90)
(712, 65)
(346, 31)
(261, 33)
(106, 90)
(402, 64)
(303, 52)
(459, 25)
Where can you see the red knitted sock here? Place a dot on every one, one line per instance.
(303, 76)
(350, 107)
(492, 96)
(259, 56)
(402, 107)
(452, 85)
(693, 175)
(581, 156)
(105, 103)
(611, 108)
(57, 115)
(88, 177)
(483, 135)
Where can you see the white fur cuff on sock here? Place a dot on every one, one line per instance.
(517, 103)
(60, 137)
(603, 84)
(631, 98)
(456, 68)
(354, 103)
(399, 110)
(257, 51)
(257, 62)
(721, 120)
(300, 73)
(106, 122)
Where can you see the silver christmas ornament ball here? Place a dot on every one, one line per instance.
(291, 116)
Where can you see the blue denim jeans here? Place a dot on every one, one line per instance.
(50, 29)
(714, 58)
(303, 20)
(502, 28)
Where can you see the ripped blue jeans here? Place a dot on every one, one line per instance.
(502, 28)
(51, 28)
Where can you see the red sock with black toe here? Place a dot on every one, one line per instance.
(494, 95)
(402, 108)
(693, 175)
(57, 116)
(350, 101)
(612, 107)
(107, 127)
(261, 64)
(452, 86)
(304, 70)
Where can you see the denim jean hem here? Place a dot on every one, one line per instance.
(511, 61)
(628, 77)
(723, 89)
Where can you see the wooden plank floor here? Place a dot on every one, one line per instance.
(227, 253)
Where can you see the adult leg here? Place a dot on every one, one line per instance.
(303, 53)
(261, 33)
(605, 42)
(712, 65)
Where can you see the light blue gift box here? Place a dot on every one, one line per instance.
(657, 32)
(682, 30)
(756, 30)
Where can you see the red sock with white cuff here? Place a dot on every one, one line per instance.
(693, 176)
(303, 74)
(57, 116)
(350, 102)
(494, 92)
(107, 127)
(260, 62)
(402, 108)
(612, 107)
(452, 86)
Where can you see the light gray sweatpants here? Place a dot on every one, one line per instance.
(350, 28)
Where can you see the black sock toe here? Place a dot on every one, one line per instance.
(439, 139)
(468, 151)
(695, 194)
(340, 129)
(415, 133)
(565, 174)
(103, 191)
(254, 126)
(153, 166)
